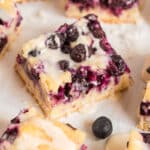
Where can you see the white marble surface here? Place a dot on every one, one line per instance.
(131, 41)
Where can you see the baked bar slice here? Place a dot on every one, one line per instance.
(71, 67)
(139, 140)
(9, 24)
(112, 11)
(145, 110)
(31, 131)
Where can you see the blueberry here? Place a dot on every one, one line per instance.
(72, 33)
(104, 44)
(63, 64)
(51, 42)
(3, 42)
(62, 37)
(128, 3)
(102, 127)
(91, 17)
(148, 70)
(20, 59)
(104, 3)
(34, 53)
(146, 137)
(92, 50)
(66, 48)
(118, 66)
(15, 120)
(1, 22)
(78, 53)
(34, 75)
(96, 29)
(10, 134)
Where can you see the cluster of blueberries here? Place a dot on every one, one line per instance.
(116, 6)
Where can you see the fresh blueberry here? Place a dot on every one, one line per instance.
(51, 42)
(34, 53)
(63, 64)
(102, 127)
(78, 53)
(72, 33)
(3, 42)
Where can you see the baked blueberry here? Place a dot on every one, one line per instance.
(66, 48)
(91, 17)
(20, 59)
(78, 53)
(15, 120)
(34, 53)
(146, 137)
(10, 134)
(104, 44)
(51, 42)
(1, 22)
(62, 37)
(96, 29)
(3, 42)
(102, 127)
(118, 66)
(63, 64)
(148, 70)
(72, 33)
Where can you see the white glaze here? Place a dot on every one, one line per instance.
(59, 140)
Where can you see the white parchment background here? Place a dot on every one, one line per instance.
(131, 41)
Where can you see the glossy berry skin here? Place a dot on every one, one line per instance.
(72, 33)
(78, 53)
(102, 127)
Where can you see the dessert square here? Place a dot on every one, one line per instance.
(72, 67)
(139, 140)
(31, 131)
(145, 110)
(9, 24)
(114, 11)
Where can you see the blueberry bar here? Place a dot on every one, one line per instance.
(8, 27)
(31, 131)
(145, 110)
(71, 67)
(112, 11)
(139, 140)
